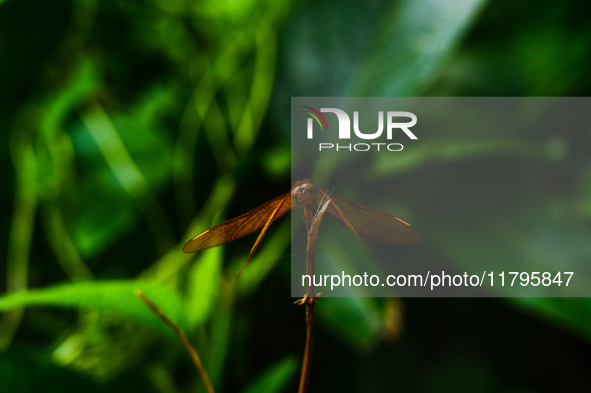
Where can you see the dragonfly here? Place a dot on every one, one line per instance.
(361, 221)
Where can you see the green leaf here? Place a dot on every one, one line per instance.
(485, 221)
(572, 314)
(355, 319)
(116, 296)
(410, 45)
(404, 46)
(126, 158)
(275, 378)
(24, 371)
(204, 280)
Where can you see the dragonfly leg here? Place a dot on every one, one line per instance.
(307, 300)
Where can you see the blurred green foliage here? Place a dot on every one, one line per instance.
(131, 125)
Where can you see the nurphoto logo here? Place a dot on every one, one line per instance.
(393, 123)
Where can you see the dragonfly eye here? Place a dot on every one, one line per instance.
(303, 195)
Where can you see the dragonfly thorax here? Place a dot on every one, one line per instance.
(304, 194)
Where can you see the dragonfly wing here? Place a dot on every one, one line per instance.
(374, 224)
(240, 226)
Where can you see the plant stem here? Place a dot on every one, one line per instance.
(179, 333)
(308, 350)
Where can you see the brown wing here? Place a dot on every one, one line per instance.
(374, 224)
(240, 226)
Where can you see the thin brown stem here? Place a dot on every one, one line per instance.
(308, 350)
(179, 333)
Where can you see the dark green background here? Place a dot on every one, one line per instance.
(129, 126)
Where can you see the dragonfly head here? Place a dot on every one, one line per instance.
(304, 194)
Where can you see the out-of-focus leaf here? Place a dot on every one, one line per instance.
(275, 378)
(83, 82)
(410, 45)
(203, 285)
(145, 134)
(516, 62)
(512, 223)
(219, 340)
(93, 230)
(401, 49)
(512, 240)
(21, 371)
(139, 158)
(572, 314)
(276, 162)
(356, 319)
(459, 373)
(116, 296)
